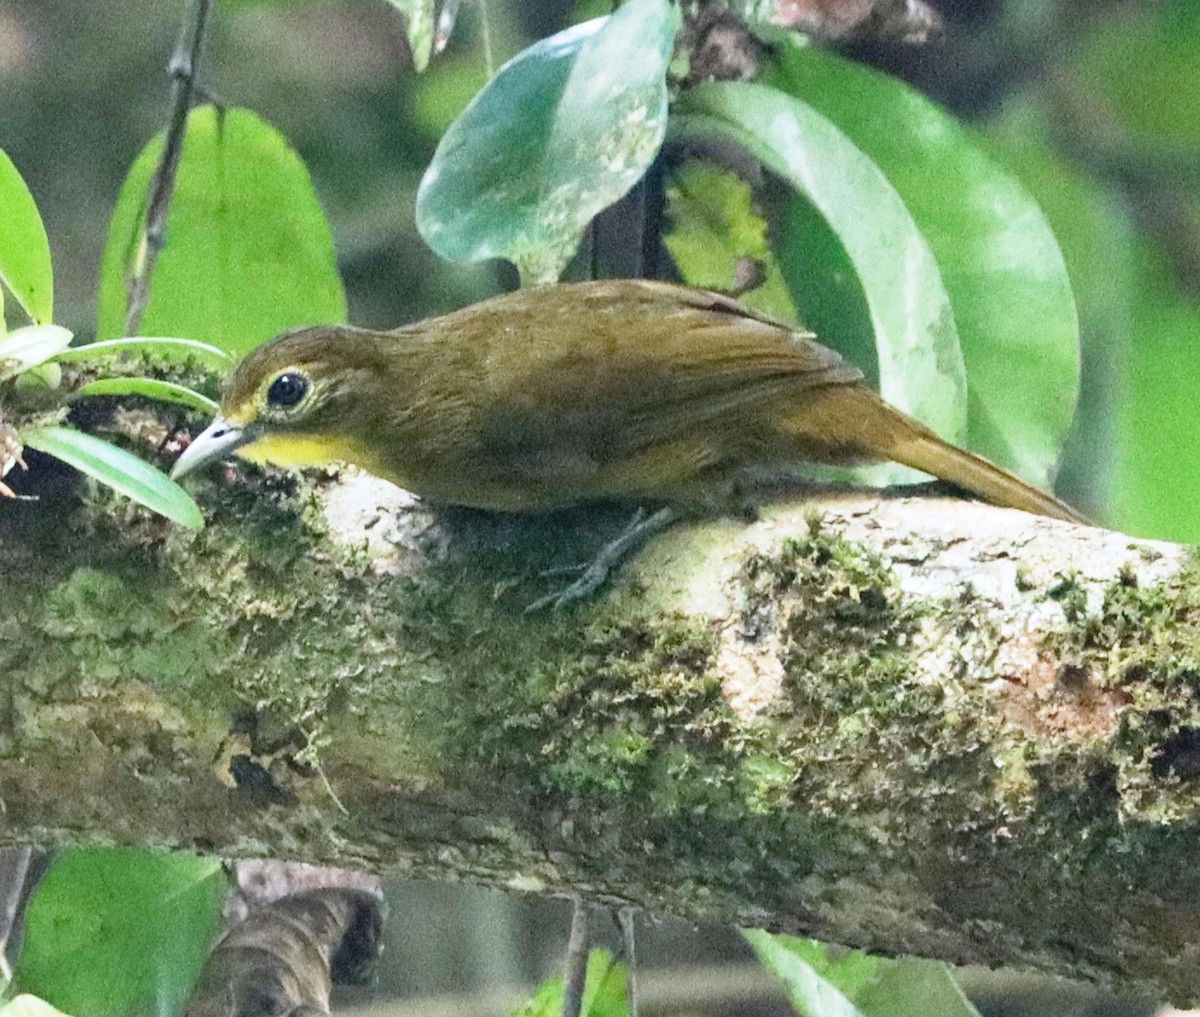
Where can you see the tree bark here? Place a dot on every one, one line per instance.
(918, 725)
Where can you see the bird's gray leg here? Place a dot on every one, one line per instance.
(593, 575)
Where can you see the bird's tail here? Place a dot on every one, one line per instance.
(884, 433)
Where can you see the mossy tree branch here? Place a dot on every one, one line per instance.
(918, 725)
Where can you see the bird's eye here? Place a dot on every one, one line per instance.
(287, 390)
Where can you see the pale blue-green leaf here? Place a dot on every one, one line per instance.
(120, 470)
(24, 249)
(178, 350)
(563, 130)
(920, 362)
(27, 347)
(999, 261)
(150, 388)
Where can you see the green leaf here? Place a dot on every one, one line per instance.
(822, 279)
(177, 350)
(419, 19)
(111, 933)
(715, 232)
(1095, 230)
(27, 347)
(828, 981)
(151, 388)
(120, 470)
(562, 131)
(1156, 481)
(999, 261)
(920, 364)
(604, 992)
(24, 249)
(248, 252)
(29, 1006)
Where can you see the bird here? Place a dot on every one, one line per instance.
(554, 396)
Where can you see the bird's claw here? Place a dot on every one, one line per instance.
(594, 574)
(591, 577)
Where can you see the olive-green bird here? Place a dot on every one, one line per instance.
(546, 398)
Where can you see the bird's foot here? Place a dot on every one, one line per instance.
(595, 573)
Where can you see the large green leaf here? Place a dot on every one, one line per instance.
(1095, 230)
(1156, 483)
(563, 130)
(821, 277)
(248, 250)
(920, 364)
(24, 250)
(114, 933)
(122, 471)
(999, 261)
(827, 981)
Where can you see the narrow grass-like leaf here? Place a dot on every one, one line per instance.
(150, 388)
(998, 259)
(177, 350)
(120, 470)
(920, 363)
(111, 933)
(248, 250)
(27, 347)
(24, 249)
(562, 131)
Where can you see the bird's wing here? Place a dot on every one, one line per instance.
(632, 365)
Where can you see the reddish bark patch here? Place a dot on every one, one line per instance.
(1042, 695)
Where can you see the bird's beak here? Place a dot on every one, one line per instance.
(218, 439)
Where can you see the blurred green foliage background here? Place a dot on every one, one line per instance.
(1092, 102)
(1095, 104)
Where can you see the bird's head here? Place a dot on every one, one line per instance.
(302, 399)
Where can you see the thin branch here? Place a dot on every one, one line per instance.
(629, 949)
(183, 70)
(577, 960)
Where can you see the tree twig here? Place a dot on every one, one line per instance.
(183, 71)
(624, 918)
(577, 961)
